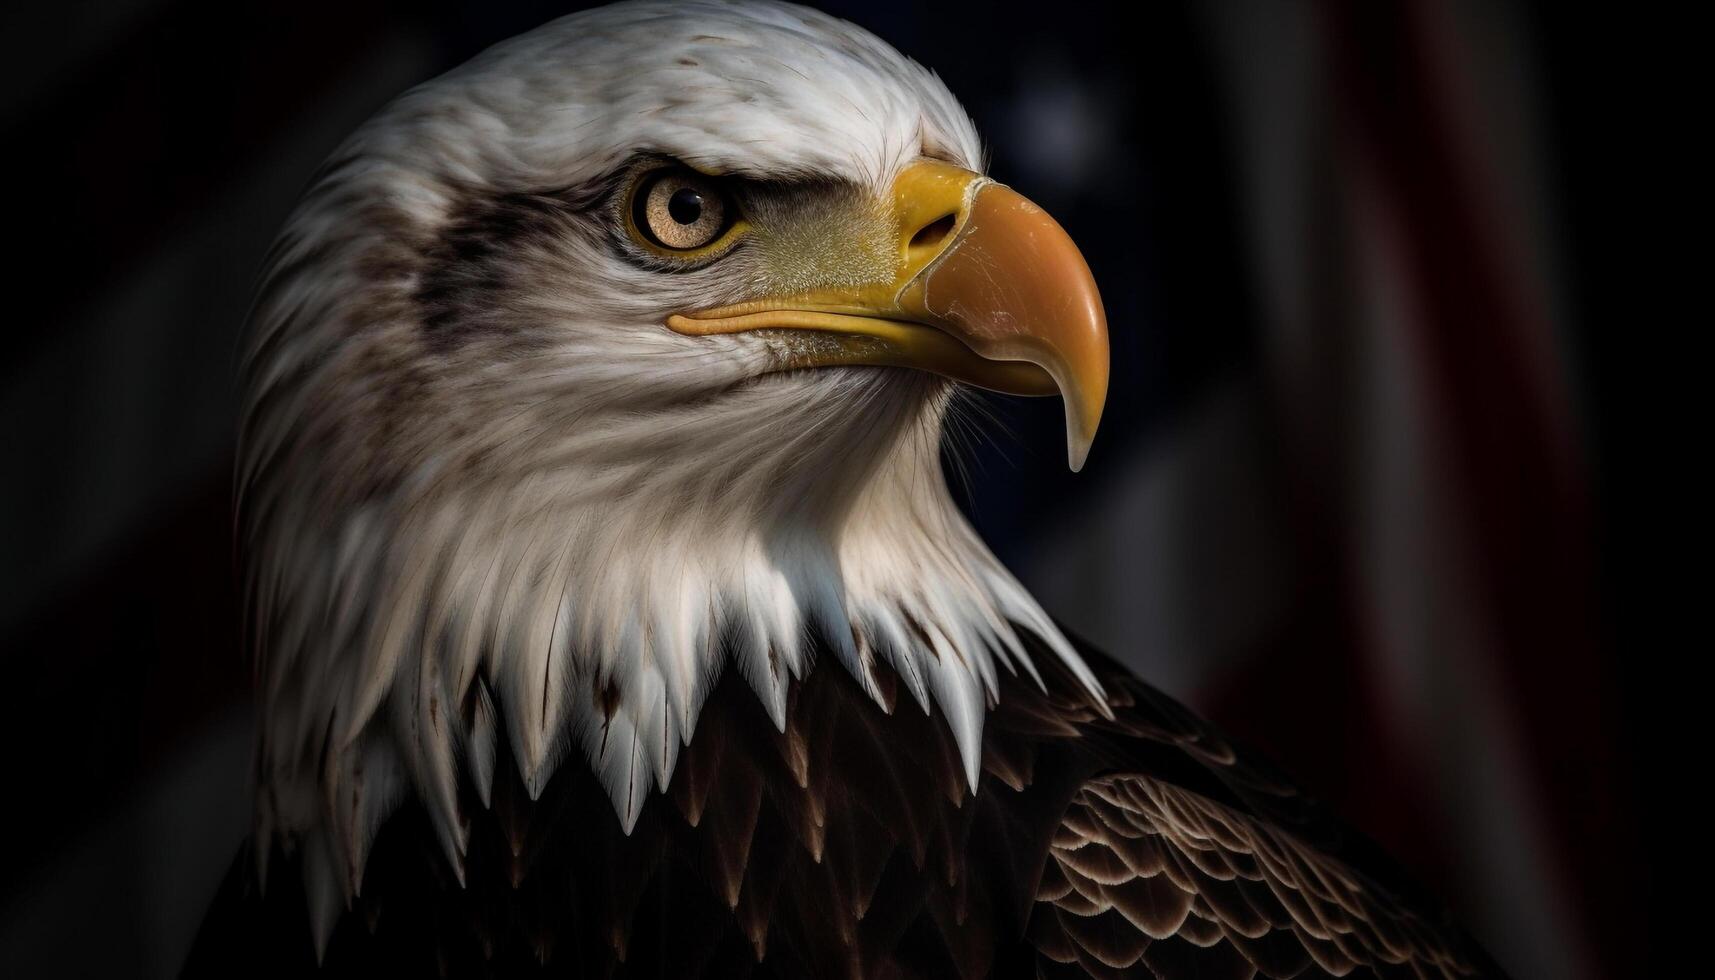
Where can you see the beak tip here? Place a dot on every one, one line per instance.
(1083, 418)
(1077, 451)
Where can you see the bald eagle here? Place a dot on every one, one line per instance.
(610, 611)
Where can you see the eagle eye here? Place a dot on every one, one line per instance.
(679, 210)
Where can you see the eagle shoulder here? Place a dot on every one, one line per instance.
(1189, 857)
(1145, 878)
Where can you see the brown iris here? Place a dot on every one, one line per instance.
(680, 210)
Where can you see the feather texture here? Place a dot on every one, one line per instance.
(1124, 839)
(477, 471)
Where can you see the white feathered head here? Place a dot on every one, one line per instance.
(614, 359)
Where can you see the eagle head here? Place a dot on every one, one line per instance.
(611, 360)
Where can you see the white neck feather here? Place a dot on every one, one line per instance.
(594, 599)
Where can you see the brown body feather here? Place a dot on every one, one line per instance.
(849, 845)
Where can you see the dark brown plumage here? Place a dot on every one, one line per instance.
(1144, 846)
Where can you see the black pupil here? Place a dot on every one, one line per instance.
(685, 206)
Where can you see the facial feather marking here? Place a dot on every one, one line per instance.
(480, 259)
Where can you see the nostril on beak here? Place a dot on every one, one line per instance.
(934, 232)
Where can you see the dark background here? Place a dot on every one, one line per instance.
(1354, 495)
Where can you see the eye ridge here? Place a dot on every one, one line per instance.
(679, 210)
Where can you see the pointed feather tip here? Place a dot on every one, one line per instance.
(482, 771)
(628, 806)
(628, 817)
(455, 845)
(535, 780)
(1095, 693)
(963, 710)
(624, 772)
(1050, 634)
(902, 656)
(322, 891)
(1099, 696)
(770, 688)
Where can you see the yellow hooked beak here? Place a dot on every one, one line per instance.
(988, 290)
